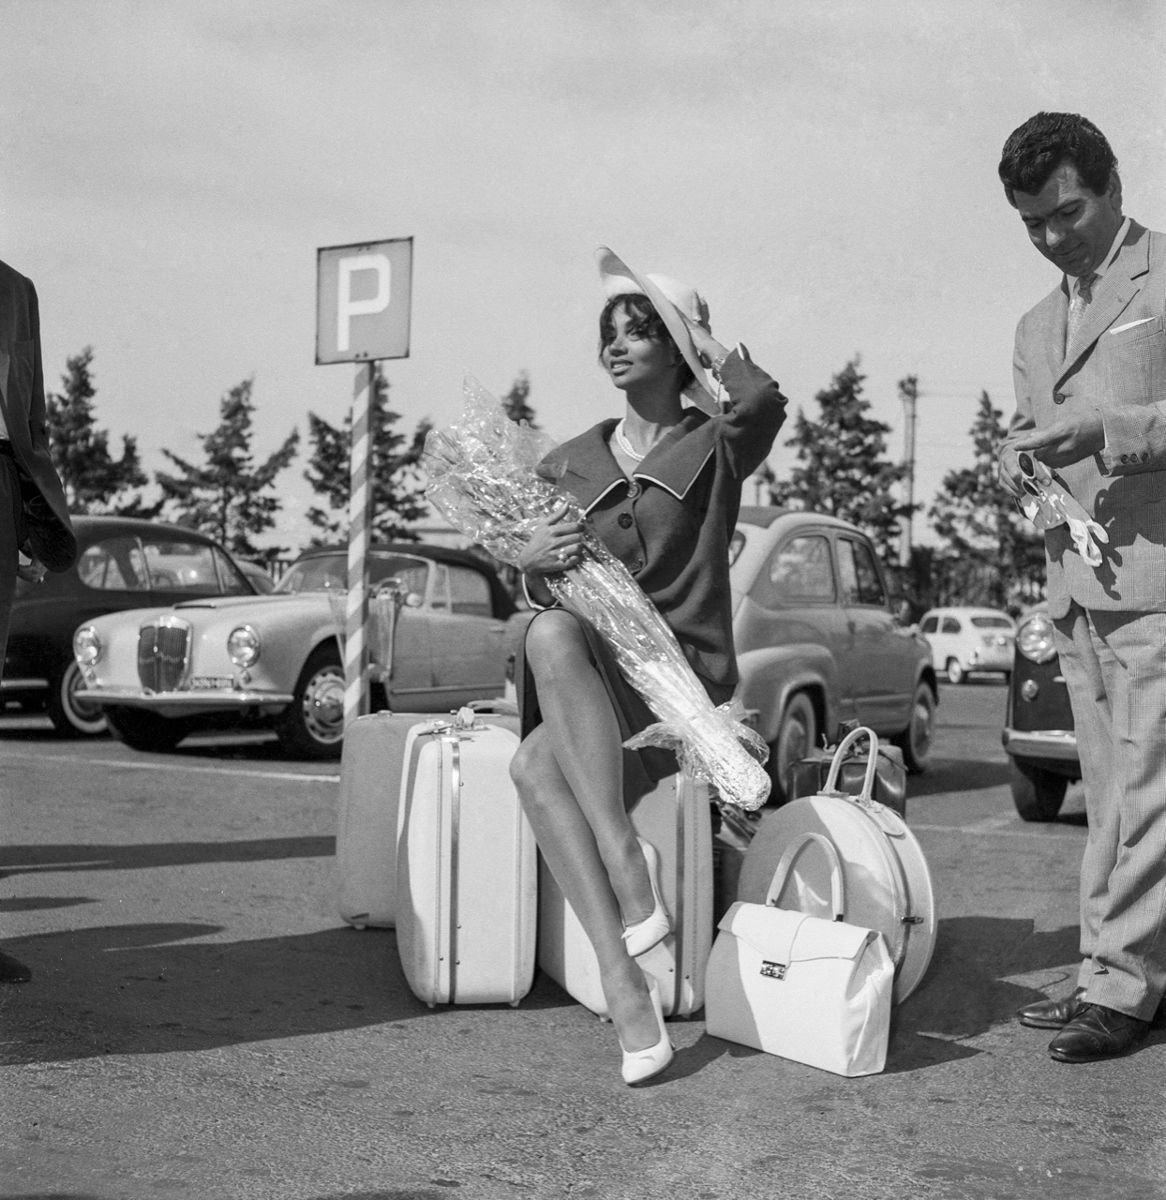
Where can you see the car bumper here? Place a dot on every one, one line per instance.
(177, 704)
(1058, 744)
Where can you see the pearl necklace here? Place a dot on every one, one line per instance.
(626, 446)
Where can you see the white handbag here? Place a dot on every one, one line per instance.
(804, 988)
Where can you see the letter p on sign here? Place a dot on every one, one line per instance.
(363, 301)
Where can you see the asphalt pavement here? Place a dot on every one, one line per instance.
(200, 1023)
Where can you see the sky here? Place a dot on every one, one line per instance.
(824, 171)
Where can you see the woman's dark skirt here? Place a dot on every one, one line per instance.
(642, 768)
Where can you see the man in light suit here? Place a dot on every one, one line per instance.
(34, 516)
(1090, 373)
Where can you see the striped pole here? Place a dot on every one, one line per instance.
(356, 623)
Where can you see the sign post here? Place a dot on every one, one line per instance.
(363, 303)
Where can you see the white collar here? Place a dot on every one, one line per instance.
(1107, 262)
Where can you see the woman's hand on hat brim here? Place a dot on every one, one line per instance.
(707, 347)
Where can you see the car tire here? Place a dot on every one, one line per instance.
(142, 730)
(69, 717)
(312, 725)
(1037, 792)
(917, 739)
(955, 671)
(797, 735)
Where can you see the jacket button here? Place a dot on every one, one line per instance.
(1058, 397)
(1125, 458)
(633, 490)
(1145, 456)
(625, 520)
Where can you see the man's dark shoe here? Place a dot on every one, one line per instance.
(1097, 1032)
(12, 970)
(1052, 1014)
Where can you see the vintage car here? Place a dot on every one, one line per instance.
(1038, 729)
(122, 564)
(964, 640)
(818, 641)
(275, 660)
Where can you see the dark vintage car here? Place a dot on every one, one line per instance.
(1038, 729)
(274, 661)
(122, 564)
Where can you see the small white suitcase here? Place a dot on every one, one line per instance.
(370, 790)
(467, 867)
(674, 817)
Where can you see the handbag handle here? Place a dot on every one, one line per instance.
(871, 763)
(786, 862)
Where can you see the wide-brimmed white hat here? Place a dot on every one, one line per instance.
(669, 298)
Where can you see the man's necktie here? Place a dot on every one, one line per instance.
(1078, 305)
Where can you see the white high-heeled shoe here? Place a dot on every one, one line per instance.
(639, 1065)
(643, 935)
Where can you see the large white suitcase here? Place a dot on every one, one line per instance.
(887, 882)
(366, 836)
(370, 790)
(674, 817)
(467, 867)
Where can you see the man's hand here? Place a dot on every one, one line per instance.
(1066, 441)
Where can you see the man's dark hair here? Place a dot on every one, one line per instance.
(644, 322)
(1035, 150)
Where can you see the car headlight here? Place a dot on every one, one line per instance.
(1035, 638)
(243, 646)
(86, 646)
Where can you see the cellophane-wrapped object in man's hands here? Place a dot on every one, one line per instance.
(483, 477)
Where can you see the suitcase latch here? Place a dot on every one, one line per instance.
(772, 970)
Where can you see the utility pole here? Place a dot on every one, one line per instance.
(908, 393)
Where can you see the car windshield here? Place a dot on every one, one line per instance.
(991, 622)
(324, 572)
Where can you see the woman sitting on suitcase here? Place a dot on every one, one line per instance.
(661, 487)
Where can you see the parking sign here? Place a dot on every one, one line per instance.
(363, 301)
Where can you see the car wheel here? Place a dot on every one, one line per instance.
(142, 730)
(796, 737)
(915, 741)
(1038, 793)
(312, 725)
(955, 671)
(73, 717)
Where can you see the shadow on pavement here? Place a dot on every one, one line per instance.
(27, 860)
(956, 775)
(965, 991)
(146, 989)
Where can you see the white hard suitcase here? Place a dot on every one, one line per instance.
(467, 867)
(888, 884)
(674, 817)
(370, 789)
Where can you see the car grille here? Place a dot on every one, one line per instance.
(164, 654)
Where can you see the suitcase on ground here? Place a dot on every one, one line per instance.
(674, 817)
(807, 777)
(370, 789)
(467, 867)
(887, 881)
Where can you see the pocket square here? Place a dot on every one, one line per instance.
(1130, 325)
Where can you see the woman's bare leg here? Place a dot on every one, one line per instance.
(585, 740)
(569, 847)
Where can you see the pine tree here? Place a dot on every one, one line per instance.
(398, 496)
(992, 554)
(95, 482)
(842, 469)
(229, 497)
(515, 401)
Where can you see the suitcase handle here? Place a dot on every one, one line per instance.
(853, 736)
(786, 862)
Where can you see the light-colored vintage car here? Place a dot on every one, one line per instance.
(275, 660)
(818, 641)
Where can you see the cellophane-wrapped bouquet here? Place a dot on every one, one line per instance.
(483, 477)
